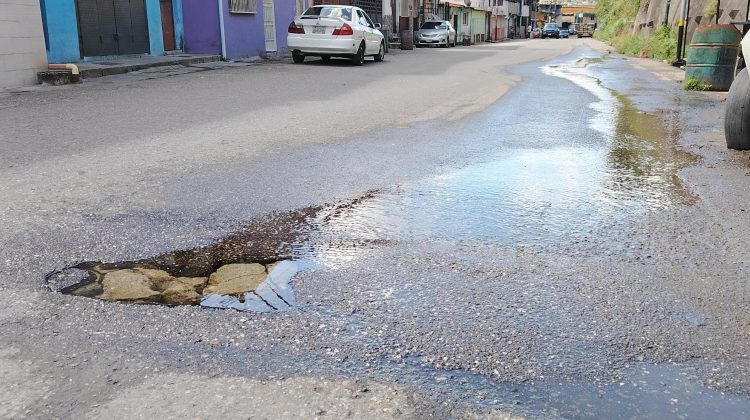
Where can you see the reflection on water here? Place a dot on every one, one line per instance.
(555, 190)
(645, 392)
(644, 159)
(523, 196)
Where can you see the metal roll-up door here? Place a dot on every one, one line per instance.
(112, 27)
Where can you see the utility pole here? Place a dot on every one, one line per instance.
(687, 21)
(679, 62)
(718, 7)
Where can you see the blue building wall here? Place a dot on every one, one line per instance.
(153, 14)
(179, 27)
(61, 29)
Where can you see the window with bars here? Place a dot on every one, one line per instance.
(243, 6)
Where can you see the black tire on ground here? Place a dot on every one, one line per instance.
(359, 58)
(326, 59)
(737, 113)
(381, 53)
(298, 57)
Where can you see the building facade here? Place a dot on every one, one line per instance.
(78, 30)
(22, 52)
(238, 28)
(472, 19)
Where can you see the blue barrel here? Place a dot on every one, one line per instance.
(712, 56)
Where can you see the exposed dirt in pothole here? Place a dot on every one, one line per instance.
(250, 269)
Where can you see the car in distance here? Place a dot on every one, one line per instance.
(335, 31)
(436, 32)
(536, 33)
(550, 30)
(572, 30)
(564, 33)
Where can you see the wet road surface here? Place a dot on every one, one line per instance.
(510, 269)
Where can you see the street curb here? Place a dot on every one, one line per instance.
(101, 70)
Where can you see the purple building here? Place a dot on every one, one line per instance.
(238, 28)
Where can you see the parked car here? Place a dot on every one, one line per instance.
(737, 111)
(335, 31)
(436, 32)
(564, 33)
(550, 30)
(572, 29)
(536, 33)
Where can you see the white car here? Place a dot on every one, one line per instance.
(335, 31)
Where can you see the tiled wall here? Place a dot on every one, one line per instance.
(22, 51)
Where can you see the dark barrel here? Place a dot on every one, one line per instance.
(712, 56)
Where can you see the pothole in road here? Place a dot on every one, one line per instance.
(250, 270)
(241, 286)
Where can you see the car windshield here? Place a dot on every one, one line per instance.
(328, 12)
(434, 25)
(550, 26)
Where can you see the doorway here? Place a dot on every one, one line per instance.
(112, 27)
(269, 25)
(167, 24)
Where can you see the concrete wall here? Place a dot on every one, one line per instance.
(652, 13)
(155, 35)
(285, 12)
(179, 28)
(22, 52)
(61, 28)
(244, 33)
(61, 31)
(201, 22)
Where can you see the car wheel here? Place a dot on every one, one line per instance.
(298, 57)
(359, 58)
(326, 58)
(381, 53)
(737, 113)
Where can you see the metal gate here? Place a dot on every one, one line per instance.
(269, 25)
(112, 27)
(373, 8)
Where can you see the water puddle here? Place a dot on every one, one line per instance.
(620, 164)
(551, 192)
(647, 391)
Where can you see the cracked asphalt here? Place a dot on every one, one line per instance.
(530, 229)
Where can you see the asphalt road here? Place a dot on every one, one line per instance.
(531, 228)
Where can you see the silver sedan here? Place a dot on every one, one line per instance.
(436, 32)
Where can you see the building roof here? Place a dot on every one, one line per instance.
(475, 4)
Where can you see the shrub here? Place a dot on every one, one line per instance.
(691, 83)
(660, 45)
(614, 17)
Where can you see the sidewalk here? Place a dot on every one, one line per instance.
(121, 65)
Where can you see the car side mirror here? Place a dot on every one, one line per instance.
(378, 26)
